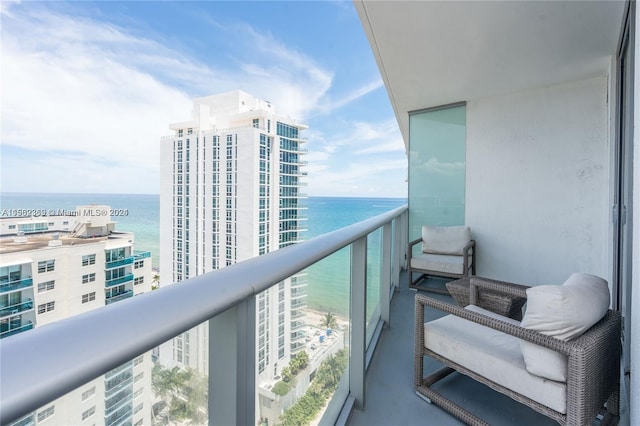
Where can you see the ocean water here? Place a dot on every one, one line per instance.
(328, 280)
(143, 217)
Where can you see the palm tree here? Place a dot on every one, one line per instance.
(329, 320)
(155, 281)
(184, 391)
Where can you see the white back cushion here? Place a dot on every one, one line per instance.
(564, 312)
(445, 239)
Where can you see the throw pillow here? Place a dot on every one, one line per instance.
(564, 312)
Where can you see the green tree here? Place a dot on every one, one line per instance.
(329, 320)
(155, 281)
(324, 384)
(184, 392)
(281, 388)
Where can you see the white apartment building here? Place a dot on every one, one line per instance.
(231, 189)
(55, 267)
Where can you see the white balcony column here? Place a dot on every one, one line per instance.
(385, 273)
(232, 365)
(357, 360)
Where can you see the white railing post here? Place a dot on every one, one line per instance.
(404, 232)
(357, 361)
(398, 252)
(232, 364)
(385, 273)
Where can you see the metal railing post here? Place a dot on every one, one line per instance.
(232, 361)
(385, 273)
(398, 252)
(357, 361)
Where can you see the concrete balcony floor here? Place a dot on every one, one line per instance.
(391, 399)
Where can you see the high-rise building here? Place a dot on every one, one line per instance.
(55, 267)
(231, 189)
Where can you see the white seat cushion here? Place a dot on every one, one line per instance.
(564, 312)
(445, 239)
(439, 262)
(493, 355)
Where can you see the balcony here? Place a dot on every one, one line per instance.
(139, 255)
(120, 262)
(16, 285)
(120, 296)
(17, 308)
(120, 280)
(379, 356)
(16, 330)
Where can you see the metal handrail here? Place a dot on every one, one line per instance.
(124, 330)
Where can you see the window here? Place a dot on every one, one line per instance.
(138, 264)
(89, 278)
(89, 297)
(46, 307)
(46, 413)
(12, 227)
(138, 392)
(138, 377)
(137, 409)
(138, 360)
(88, 393)
(138, 280)
(46, 266)
(46, 286)
(90, 412)
(66, 222)
(88, 259)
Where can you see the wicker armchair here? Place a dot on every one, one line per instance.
(593, 375)
(447, 251)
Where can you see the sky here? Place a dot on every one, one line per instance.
(89, 88)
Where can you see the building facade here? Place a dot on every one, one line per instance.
(55, 267)
(231, 189)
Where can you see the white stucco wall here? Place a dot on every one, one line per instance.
(537, 184)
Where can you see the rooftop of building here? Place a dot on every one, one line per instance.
(17, 244)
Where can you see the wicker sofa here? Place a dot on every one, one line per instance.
(488, 348)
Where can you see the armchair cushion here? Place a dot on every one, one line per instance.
(439, 262)
(564, 312)
(491, 354)
(445, 239)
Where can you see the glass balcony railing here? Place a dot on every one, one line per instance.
(120, 280)
(209, 338)
(120, 296)
(119, 369)
(16, 330)
(16, 309)
(16, 285)
(120, 262)
(138, 254)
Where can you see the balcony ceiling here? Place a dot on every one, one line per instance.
(433, 53)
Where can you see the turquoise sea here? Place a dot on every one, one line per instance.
(328, 280)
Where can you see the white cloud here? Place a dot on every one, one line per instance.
(386, 177)
(332, 105)
(433, 165)
(71, 86)
(87, 98)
